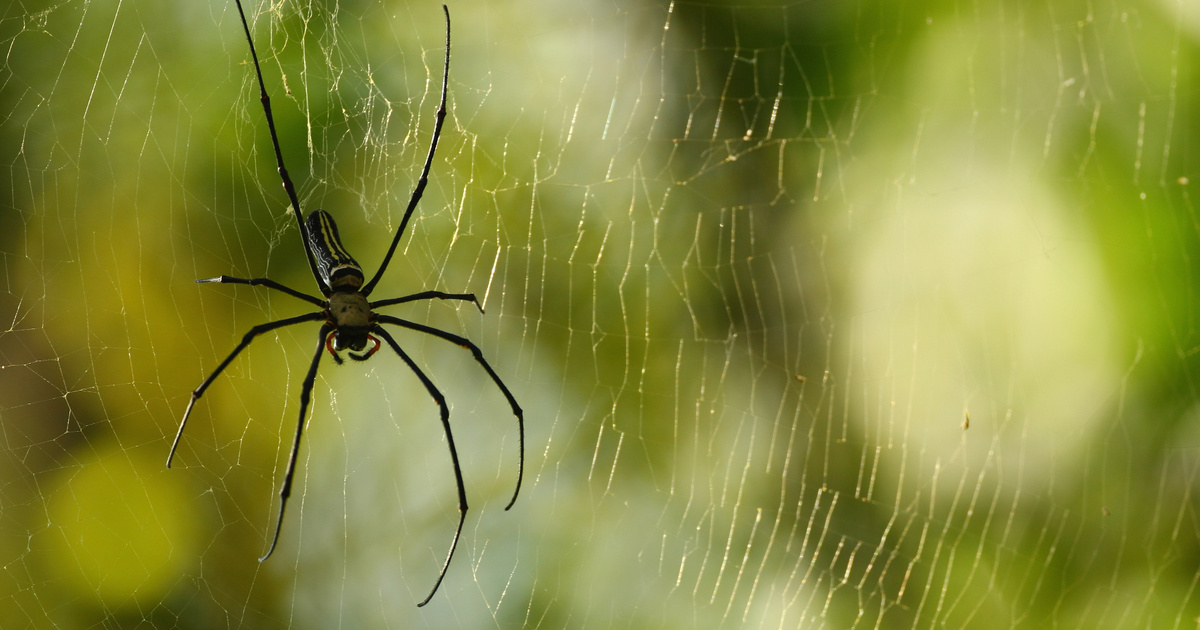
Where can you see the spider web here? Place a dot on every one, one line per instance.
(822, 314)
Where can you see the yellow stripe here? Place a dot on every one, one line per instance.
(329, 239)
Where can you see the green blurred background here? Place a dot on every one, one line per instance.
(823, 314)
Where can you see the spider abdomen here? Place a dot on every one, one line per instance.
(337, 267)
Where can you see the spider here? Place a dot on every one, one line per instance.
(348, 320)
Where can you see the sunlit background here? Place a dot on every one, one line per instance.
(823, 314)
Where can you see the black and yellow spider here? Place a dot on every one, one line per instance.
(348, 320)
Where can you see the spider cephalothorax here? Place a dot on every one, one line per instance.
(351, 315)
(348, 319)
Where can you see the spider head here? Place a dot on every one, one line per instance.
(353, 339)
(350, 338)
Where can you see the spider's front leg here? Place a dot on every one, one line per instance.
(305, 394)
(254, 332)
(444, 411)
(478, 354)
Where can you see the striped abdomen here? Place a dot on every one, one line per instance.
(337, 267)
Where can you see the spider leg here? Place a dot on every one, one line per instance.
(288, 186)
(458, 479)
(266, 282)
(305, 392)
(466, 343)
(421, 183)
(254, 332)
(429, 295)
